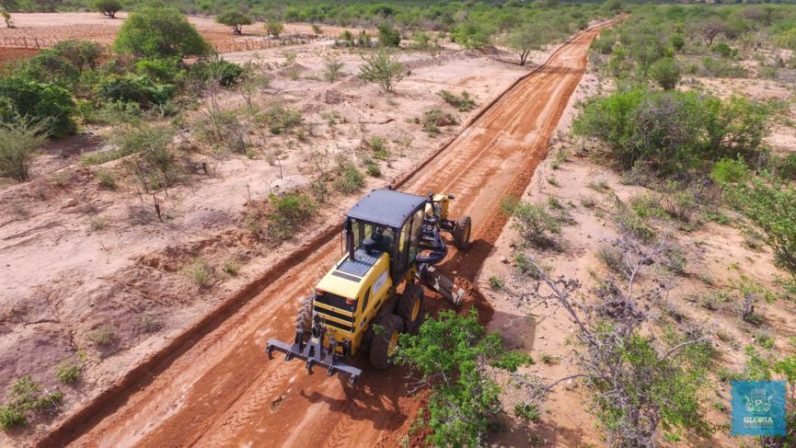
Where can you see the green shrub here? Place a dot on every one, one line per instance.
(472, 35)
(636, 226)
(159, 32)
(201, 273)
(612, 258)
(346, 39)
(463, 103)
(784, 167)
(109, 113)
(435, 118)
(720, 68)
(422, 40)
(68, 373)
(290, 212)
(281, 119)
(373, 169)
(47, 66)
(217, 70)
(25, 397)
(532, 221)
(528, 411)
(449, 353)
(724, 50)
(647, 206)
(678, 42)
(162, 70)
(364, 40)
(82, 54)
(388, 35)
(274, 28)
(772, 207)
(103, 336)
(222, 128)
(349, 180)
(138, 89)
(108, 7)
(235, 19)
(674, 132)
(18, 142)
(22, 99)
(604, 43)
(496, 282)
(231, 268)
(106, 179)
(665, 72)
(11, 417)
(332, 69)
(382, 68)
(155, 165)
(729, 171)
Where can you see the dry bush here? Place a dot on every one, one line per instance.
(18, 141)
(638, 382)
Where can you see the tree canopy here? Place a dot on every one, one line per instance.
(158, 33)
(108, 7)
(234, 18)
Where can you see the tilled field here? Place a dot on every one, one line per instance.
(34, 31)
(215, 387)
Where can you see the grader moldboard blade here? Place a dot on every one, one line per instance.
(436, 280)
(313, 352)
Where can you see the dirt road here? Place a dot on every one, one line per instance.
(222, 391)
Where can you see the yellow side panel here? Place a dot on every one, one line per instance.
(377, 280)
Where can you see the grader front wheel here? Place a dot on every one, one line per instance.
(385, 342)
(410, 308)
(461, 233)
(304, 316)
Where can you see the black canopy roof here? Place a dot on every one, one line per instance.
(386, 207)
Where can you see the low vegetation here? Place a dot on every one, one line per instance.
(26, 401)
(462, 103)
(382, 68)
(18, 142)
(454, 356)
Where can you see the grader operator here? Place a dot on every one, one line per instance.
(374, 292)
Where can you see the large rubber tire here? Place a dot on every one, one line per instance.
(461, 233)
(383, 346)
(304, 316)
(410, 308)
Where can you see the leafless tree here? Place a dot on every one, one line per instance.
(711, 28)
(610, 333)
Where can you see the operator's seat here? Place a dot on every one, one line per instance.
(377, 241)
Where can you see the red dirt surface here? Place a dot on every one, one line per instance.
(214, 385)
(11, 54)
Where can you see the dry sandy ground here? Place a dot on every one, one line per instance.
(718, 256)
(78, 258)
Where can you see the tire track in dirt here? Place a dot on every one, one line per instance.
(221, 391)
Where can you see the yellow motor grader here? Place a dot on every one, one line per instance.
(374, 292)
